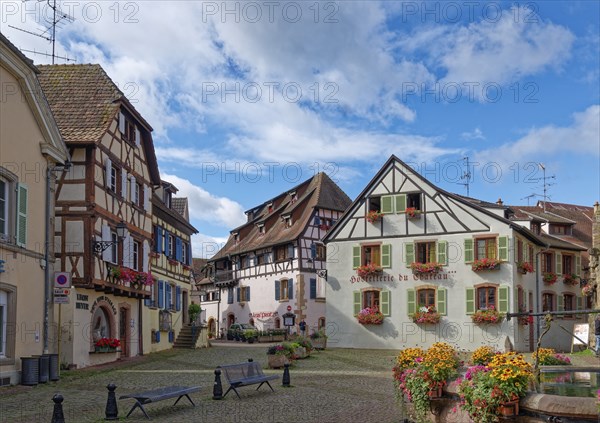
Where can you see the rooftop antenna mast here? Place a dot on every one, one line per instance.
(57, 17)
(529, 197)
(467, 175)
(546, 184)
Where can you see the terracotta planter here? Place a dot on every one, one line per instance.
(277, 361)
(436, 393)
(509, 409)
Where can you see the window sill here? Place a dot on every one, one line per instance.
(286, 300)
(320, 300)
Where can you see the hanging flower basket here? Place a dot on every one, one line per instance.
(427, 315)
(413, 213)
(422, 268)
(368, 270)
(485, 264)
(550, 278)
(588, 290)
(524, 267)
(571, 280)
(374, 216)
(370, 316)
(491, 315)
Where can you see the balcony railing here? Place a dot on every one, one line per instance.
(225, 277)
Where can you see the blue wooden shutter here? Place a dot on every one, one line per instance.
(290, 251)
(188, 255)
(239, 294)
(168, 300)
(178, 249)
(167, 246)
(313, 288)
(313, 250)
(157, 239)
(317, 220)
(178, 298)
(277, 291)
(161, 298)
(247, 293)
(230, 295)
(290, 289)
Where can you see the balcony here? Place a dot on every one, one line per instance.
(118, 283)
(225, 278)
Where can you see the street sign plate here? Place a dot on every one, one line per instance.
(61, 291)
(61, 299)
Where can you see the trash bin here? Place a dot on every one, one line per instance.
(30, 367)
(54, 367)
(43, 368)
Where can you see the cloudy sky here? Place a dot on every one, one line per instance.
(247, 99)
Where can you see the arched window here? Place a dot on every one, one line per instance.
(321, 324)
(277, 323)
(101, 324)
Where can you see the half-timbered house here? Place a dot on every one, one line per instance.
(166, 311)
(275, 262)
(30, 148)
(108, 190)
(439, 266)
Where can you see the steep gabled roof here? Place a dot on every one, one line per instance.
(180, 205)
(318, 192)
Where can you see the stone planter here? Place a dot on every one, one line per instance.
(319, 343)
(276, 361)
(264, 338)
(300, 353)
(278, 338)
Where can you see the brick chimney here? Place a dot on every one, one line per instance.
(501, 203)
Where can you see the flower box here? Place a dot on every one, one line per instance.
(509, 409)
(319, 343)
(491, 315)
(588, 290)
(277, 361)
(368, 270)
(427, 315)
(370, 316)
(173, 262)
(524, 267)
(550, 278)
(412, 213)
(107, 344)
(300, 353)
(485, 264)
(425, 268)
(571, 280)
(374, 216)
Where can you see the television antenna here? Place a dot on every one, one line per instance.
(58, 19)
(529, 197)
(466, 175)
(545, 185)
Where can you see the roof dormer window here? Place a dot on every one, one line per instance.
(261, 228)
(287, 220)
(270, 207)
(293, 197)
(236, 236)
(167, 197)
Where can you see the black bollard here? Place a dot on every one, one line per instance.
(112, 411)
(250, 368)
(286, 375)
(58, 415)
(217, 387)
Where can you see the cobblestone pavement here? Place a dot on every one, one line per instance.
(331, 386)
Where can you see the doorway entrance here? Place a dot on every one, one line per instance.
(184, 304)
(124, 318)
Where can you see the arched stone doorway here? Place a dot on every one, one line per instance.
(212, 328)
(230, 319)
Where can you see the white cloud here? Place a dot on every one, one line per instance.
(206, 246)
(475, 134)
(207, 207)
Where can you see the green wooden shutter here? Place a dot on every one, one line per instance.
(503, 299)
(503, 248)
(387, 205)
(409, 253)
(411, 303)
(441, 301)
(386, 255)
(400, 203)
(385, 301)
(470, 300)
(356, 260)
(560, 304)
(579, 303)
(525, 299)
(559, 264)
(357, 302)
(442, 252)
(516, 299)
(469, 250)
(22, 215)
(578, 265)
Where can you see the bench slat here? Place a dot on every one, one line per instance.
(162, 393)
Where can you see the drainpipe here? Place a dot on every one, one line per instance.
(538, 275)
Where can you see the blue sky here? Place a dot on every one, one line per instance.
(248, 99)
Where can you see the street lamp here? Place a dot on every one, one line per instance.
(100, 246)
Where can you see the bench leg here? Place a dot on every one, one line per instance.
(262, 383)
(141, 407)
(234, 390)
(187, 396)
(267, 382)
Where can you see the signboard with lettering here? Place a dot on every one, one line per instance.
(61, 299)
(581, 331)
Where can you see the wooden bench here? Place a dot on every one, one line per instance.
(160, 394)
(245, 374)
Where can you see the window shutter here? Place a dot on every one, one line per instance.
(124, 184)
(579, 303)
(516, 298)
(107, 168)
(178, 298)
(525, 253)
(357, 302)
(127, 253)
(503, 299)
(161, 298)
(145, 258)
(356, 259)
(313, 288)
(578, 265)
(503, 248)
(167, 244)
(386, 255)
(290, 251)
(277, 290)
(238, 294)
(147, 194)
(411, 303)
(470, 300)
(560, 304)
(132, 187)
(247, 293)
(559, 269)
(469, 250)
(400, 201)
(385, 298)
(290, 289)
(158, 239)
(178, 249)
(313, 250)
(525, 299)
(387, 205)
(442, 252)
(168, 296)
(148, 302)
(121, 122)
(138, 137)
(317, 220)
(106, 254)
(230, 295)
(409, 253)
(441, 301)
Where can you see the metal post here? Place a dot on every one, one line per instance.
(217, 387)
(111, 411)
(286, 375)
(59, 335)
(47, 260)
(58, 415)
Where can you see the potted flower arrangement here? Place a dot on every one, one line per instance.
(412, 212)
(107, 344)
(523, 320)
(374, 216)
(524, 267)
(550, 278)
(483, 355)
(494, 389)
(172, 261)
(278, 355)
(489, 315)
(420, 268)
(571, 279)
(549, 357)
(485, 264)
(370, 316)
(304, 343)
(588, 290)
(426, 315)
(319, 339)
(368, 270)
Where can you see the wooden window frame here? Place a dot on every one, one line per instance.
(571, 259)
(427, 251)
(363, 254)
(414, 200)
(487, 305)
(283, 287)
(552, 300)
(321, 252)
(244, 294)
(418, 291)
(374, 204)
(113, 183)
(547, 261)
(572, 302)
(375, 300)
(486, 239)
(136, 246)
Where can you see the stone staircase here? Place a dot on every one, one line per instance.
(185, 338)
